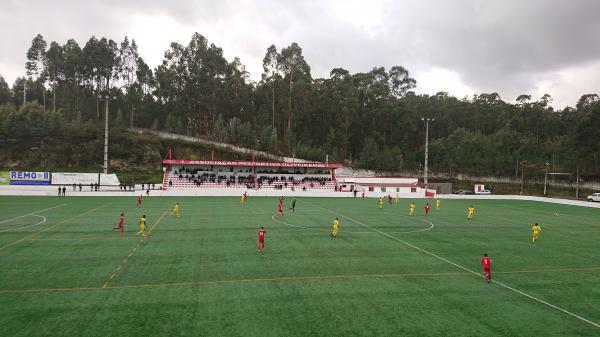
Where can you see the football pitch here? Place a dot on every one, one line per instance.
(64, 272)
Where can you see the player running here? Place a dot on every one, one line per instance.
(437, 204)
(536, 229)
(486, 263)
(293, 208)
(121, 224)
(427, 208)
(411, 208)
(142, 226)
(380, 202)
(470, 212)
(336, 227)
(139, 200)
(175, 210)
(261, 239)
(389, 199)
(244, 198)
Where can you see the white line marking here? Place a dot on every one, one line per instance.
(39, 223)
(354, 232)
(22, 216)
(461, 267)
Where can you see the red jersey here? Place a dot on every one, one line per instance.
(140, 199)
(261, 235)
(121, 221)
(486, 263)
(426, 208)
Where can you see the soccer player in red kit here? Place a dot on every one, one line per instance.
(427, 208)
(121, 224)
(389, 199)
(261, 239)
(486, 263)
(280, 207)
(139, 201)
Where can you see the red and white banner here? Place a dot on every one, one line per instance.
(248, 163)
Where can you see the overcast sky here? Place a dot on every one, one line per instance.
(463, 47)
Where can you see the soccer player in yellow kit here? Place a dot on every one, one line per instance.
(397, 197)
(470, 212)
(142, 226)
(380, 202)
(175, 210)
(411, 208)
(437, 204)
(536, 229)
(336, 227)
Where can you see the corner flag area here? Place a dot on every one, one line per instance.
(65, 272)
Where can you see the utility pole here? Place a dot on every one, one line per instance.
(546, 178)
(425, 171)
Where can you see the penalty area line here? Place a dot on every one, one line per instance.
(461, 267)
(33, 213)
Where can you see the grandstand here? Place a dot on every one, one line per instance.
(186, 174)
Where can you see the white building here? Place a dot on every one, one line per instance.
(404, 187)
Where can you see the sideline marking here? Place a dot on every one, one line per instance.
(35, 224)
(461, 267)
(50, 227)
(355, 232)
(290, 278)
(22, 216)
(82, 238)
(122, 264)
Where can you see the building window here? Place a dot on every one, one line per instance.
(397, 189)
(383, 189)
(413, 189)
(371, 188)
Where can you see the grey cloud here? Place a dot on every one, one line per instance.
(503, 46)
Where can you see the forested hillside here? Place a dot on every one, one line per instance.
(367, 120)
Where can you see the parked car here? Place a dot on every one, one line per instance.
(484, 192)
(593, 197)
(464, 192)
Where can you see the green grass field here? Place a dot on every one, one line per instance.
(64, 273)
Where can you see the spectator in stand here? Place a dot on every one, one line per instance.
(64, 190)
(74, 187)
(170, 183)
(91, 187)
(79, 187)
(59, 191)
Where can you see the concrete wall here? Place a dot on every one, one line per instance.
(6, 190)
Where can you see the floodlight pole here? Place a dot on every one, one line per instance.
(522, 180)
(425, 171)
(105, 166)
(546, 178)
(577, 184)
